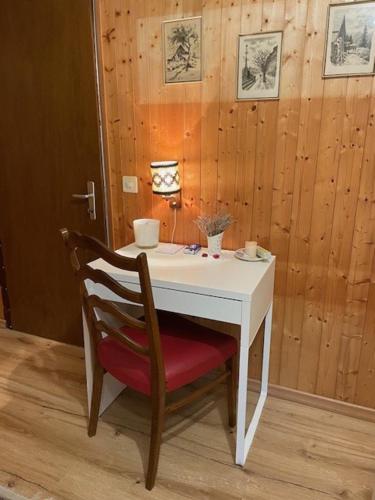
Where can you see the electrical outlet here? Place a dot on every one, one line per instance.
(130, 184)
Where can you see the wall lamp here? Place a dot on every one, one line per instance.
(166, 181)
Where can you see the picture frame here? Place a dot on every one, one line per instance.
(350, 40)
(182, 50)
(259, 66)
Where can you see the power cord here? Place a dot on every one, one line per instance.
(174, 224)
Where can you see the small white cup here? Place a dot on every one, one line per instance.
(251, 249)
(146, 232)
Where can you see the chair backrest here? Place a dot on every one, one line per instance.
(74, 242)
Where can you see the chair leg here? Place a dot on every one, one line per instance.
(95, 399)
(231, 365)
(157, 425)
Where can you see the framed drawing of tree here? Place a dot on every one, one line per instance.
(258, 66)
(182, 42)
(350, 40)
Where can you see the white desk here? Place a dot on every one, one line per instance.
(225, 289)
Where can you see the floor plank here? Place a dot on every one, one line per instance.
(299, 453)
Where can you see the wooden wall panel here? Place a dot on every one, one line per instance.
(212, 13)
(107, 33)
(297, 173)
(286, 147)
(357, 350)
(295, 297)
(192, 145)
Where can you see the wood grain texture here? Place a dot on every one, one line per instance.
(298, 173)
(299, 452)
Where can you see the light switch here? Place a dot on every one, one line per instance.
(130, 184)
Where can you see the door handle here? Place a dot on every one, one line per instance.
(82, 196)
(90, 196)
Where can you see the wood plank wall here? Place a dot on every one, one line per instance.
(298, 173)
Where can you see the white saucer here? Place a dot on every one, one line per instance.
(240, 254)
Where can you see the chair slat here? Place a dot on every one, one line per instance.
(114, 310)
(79, 240)
(99, 276)
(119, 335)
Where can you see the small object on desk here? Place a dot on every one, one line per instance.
(214, 255)
(265, 254)
(242, 255)
(169, 248)
(262, 255)
(213, 227)
(146, 232)
(192, 249)
(251, 249)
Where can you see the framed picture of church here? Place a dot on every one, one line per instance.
(350, 40)
(182, 44)
(258, 66)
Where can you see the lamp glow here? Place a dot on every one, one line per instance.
(165, 177)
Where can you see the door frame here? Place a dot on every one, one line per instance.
(5, 317)
(95, 23)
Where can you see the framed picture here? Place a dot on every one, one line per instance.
(182, 42)
(258, 66)
(350, 39)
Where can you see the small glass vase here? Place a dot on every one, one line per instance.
(214, 244)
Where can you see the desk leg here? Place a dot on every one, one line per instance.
(244, 441)
(242, 384)
(266, 350)
(111, 386)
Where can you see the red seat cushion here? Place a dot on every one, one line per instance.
(189, 352)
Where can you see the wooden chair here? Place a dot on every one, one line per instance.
(153, 356)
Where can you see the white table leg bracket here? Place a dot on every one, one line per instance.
(111, 386)
(245, 438)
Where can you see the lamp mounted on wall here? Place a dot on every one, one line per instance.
(166, 181)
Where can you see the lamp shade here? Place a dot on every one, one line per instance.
(165, 177)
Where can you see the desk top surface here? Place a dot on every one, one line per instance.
(226, 277)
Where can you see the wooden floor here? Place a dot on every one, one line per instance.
(299, 453)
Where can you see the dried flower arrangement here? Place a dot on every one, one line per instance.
(211, 225)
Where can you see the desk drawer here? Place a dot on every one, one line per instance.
(193, 304)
